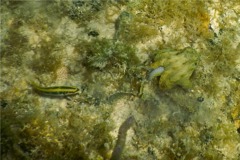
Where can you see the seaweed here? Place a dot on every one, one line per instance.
(178, 66)
(81, 11)
(41, 38)
(106, 54)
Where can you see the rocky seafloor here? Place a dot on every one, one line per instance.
(156, 79)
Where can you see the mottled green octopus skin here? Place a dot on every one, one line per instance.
(178, 67)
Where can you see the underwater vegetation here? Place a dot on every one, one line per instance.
(178, 67)
(142, 21)
(174, 66)
(82, 11)
(105, 54)
(128, 28)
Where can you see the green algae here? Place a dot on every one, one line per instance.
(178, 67)
(129, 29)
(171, 124)
(105, 54)
(145, 19)
(45, 60)
(82, 11)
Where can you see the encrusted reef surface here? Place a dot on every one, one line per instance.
(189, 108)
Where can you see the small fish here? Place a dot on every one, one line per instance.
(56, 91)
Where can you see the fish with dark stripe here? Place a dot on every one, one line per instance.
(55, 91)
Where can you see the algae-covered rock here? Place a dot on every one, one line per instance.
(178, 66)
(103, 47)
